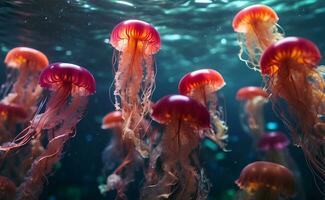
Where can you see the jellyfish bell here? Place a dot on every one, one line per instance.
(200, 83)
(257, 29)
(267, 180)
(25, 57)
(273, 141)
(112, 120)
(250, 92)
(138, 33)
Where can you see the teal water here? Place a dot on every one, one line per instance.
(195, 34)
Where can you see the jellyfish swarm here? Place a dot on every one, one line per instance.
(136, 42)
(118, 151)
(252, 100)
(202, 85)
(176, 176)
(7, 188)
(266, 181)
(70, 86)
(257, 29)
(25, 91)
(297, 93)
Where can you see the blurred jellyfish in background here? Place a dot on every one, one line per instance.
(257, 28)
(136, 43)
(70, 86)
(263, 180)
(297, 94)
(120, 153)
(274, 146)
(202, 85)
(7, 188)
(252, 100)
(176, 172)
(26, 65)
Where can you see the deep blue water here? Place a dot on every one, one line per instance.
(195, 34)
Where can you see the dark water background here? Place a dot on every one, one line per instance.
(194, 35)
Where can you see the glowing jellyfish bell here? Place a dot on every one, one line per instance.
(136, 42)
(112, 120)
(273, 141)
(256, 26)
(29, 63)
(266, 180)
(202, 85)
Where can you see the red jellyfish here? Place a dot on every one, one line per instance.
(25, 90)
(257, 28)
(176, 176)
(266, 181)
(297, 93)
(251, 113)
(136, 42)
(70, 86)
(7, 188)
(202, 85)
(118, 151)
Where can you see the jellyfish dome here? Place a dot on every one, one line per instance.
(250, 92)
(273, 141)
(112, 120)
(267, 180)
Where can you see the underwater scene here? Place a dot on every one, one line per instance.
(162, 99)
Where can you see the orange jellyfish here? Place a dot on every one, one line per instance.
(202, 85)
(25, 90)
(7, 188)
(251, 113)
(297, 93)
(121, 151)
(176, 177)
(266, 181)
(257, 29)
(70, 86)
(136, 42)
(10, 115)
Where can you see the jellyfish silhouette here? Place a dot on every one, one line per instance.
(257, 28)
(174, 175)
(202, 85)
(136, 42)
(297, 94)
(70, 86)
(263, 180)
(25, 91)
(119, 152)
(252, 100)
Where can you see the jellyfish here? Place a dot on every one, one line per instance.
(274, 145)
(70, 85)
(202, 85)
(263, 180)
(257, 29)
(10, 115)
(297, 94)
(136, 43)
(177, 168)
(7, 188)
(25, 91)
(252, 100)
(118, 151)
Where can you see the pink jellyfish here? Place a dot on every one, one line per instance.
(202, 85)
(70, 86)
(176, 177)
(136, 42)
